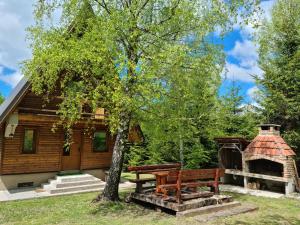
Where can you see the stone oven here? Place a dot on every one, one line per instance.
(269, 156)
(266, 163)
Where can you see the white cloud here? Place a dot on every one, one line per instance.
(245, 74)
(11, 79)
(245, 52)
(253, 92)
(248, 29)
(15, 16)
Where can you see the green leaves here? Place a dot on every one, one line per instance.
(235, 117)
(1, 99)
(148, 58)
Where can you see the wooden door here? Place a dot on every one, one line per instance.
(71, 160)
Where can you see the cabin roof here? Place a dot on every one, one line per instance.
(13, 99)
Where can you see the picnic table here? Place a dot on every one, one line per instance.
(161, 179)
(150, 169)
(184, 183)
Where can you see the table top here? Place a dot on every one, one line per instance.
(161, 173)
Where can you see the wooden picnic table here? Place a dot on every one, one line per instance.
(150, 169)
(161, 179)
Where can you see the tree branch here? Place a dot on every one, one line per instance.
(172, 13)
(103, 5)
(142, 8)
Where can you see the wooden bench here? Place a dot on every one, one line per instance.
(148, 169)
(192, 179)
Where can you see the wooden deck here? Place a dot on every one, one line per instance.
(207, 199)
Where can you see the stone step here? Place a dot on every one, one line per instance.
(78, 183)
(76, 188)
(74, 178)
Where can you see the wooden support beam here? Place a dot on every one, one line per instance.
(50, 118)
(256, 175)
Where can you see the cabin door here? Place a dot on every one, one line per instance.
(71, 156)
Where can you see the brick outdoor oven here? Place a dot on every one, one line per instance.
(266, 163)
(269, 155)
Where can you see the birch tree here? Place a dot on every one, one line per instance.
(110, 54)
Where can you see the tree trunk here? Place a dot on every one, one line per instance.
(181, 152)
(111, 190)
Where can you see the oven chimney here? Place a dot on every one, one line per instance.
(269, 129)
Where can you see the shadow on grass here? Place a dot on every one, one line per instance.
(119, 209)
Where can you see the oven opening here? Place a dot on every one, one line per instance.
(266, 167)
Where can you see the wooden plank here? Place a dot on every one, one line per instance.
(152, 168)
(256, 175)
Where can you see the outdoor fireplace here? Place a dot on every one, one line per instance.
(268, 159)
(267, 167)
(266, 163)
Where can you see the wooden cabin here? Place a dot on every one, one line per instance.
(31, 153)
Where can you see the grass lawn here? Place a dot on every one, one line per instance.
(77, 209)
(133, 176)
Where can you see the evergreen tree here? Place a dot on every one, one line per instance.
(236, 117)
(280, 60)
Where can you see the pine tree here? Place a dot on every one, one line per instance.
(280, 60)
(236, 117)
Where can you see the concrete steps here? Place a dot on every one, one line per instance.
(73, 184)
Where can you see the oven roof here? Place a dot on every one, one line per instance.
(269, 145)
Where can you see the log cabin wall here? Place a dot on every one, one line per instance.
(34, 113)
(32, 101)
(96, 160)
(48, 152)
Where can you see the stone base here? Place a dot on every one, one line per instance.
(158, 201)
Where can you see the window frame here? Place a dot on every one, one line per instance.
(35, 141)
(106, 142)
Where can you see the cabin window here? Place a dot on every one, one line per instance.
(100, 141)
(29, 145)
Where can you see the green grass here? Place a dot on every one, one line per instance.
(133, 176)
(77, 209)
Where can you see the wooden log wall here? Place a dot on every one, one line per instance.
(94, 160)
(33, 101)
(48, 152)
(35, 113)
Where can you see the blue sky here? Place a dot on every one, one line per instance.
(16, 15)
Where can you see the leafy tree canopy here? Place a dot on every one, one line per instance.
(121, 55)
